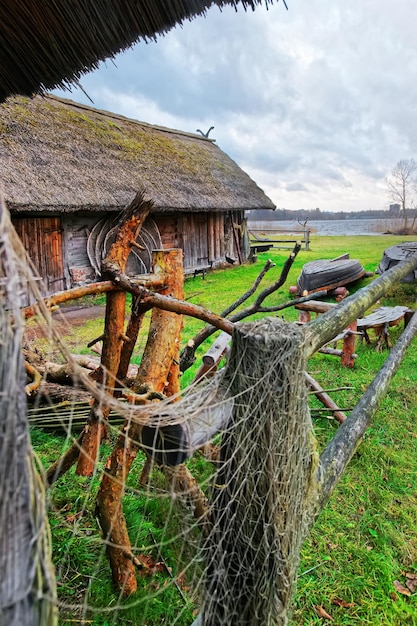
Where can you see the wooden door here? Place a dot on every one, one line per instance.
(42, 239)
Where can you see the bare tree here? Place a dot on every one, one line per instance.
(402, 185)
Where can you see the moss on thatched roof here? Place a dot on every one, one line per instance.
(46, 44)
(57, 155)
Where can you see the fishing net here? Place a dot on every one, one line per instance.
(27, 582)
(214, 540)
(264, 481)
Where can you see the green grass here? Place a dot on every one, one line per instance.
(364, 539)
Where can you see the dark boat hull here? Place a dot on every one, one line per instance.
(396, 254)
(329, 274)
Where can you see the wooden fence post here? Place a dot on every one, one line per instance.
(264, 484)
(307, 238)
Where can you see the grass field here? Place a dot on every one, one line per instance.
(364, 540)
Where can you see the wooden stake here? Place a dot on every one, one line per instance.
(156, 364)
(130, 225)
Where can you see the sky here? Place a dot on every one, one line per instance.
(317, 104)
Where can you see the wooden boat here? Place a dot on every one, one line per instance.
(328, 274)
(396, 254)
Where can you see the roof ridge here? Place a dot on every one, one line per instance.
(118, 116)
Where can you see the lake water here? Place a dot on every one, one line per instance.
(334, 227)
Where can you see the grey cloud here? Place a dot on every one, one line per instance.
(296, 187)
(321, 93)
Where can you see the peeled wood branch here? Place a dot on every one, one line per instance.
(324, 328)
(341, 448)
(36, 377)
(149, 281)
(160, 350)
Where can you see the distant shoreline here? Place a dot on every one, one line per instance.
(356, 226)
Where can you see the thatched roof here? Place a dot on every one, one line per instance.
(46, 44)
(56, 155)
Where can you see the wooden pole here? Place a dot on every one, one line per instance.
(349, 344)
(160, 351)
(52, 302)
(132, 220)
(325, 399)
(343, 445)
(164, 331)
(262, 488)
(27, 583)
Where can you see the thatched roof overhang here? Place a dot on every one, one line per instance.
(46, 44)
(56, 155)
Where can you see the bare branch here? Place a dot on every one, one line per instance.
(149, 300)
(188, 354)
(250, 291)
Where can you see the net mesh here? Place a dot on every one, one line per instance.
(264, 480)
(219, 537)
(27, 583)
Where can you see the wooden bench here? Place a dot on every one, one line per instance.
(198, 269)
(279, 238)
(380, 320)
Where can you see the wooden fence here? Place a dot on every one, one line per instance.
(262, 239)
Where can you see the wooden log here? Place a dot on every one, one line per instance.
(212, 357)
(343, 445)
(313, 306)
(27, 586)
(61, 297)
(349, 344)
(264, 483)
(132, 331)
(325, 399)
(36, 377)
(110, 513)
(214, 353)
(334, 352)
(54, 393)
(164, 331)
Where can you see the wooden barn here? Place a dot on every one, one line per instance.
(67, 171)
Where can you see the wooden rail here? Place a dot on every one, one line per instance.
(279, 238)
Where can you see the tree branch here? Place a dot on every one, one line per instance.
(149, 281)
(149, 300)
(188, 354)
(268, 265)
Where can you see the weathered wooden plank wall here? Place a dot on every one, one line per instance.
(57, 245)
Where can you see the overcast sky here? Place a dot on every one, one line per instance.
(317, 103)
